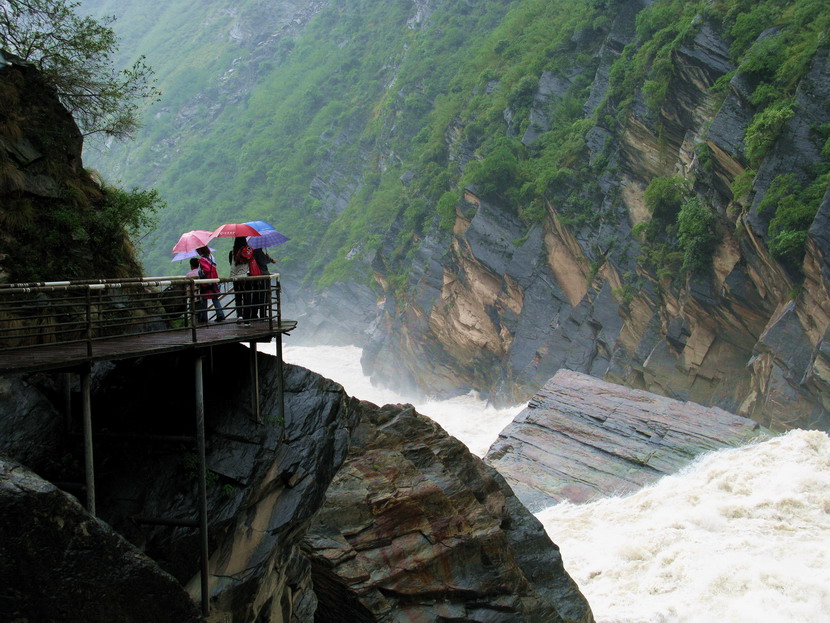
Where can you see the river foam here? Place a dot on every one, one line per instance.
(740, 536)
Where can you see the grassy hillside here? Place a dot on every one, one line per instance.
(312, 124)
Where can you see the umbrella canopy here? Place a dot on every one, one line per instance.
(231, 230)
(187, 254)
(268, 236)
(192, 240)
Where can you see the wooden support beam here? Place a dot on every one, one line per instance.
(89, 465)
(67, 400)
(280, 385)
(200, 443)
(255, 383)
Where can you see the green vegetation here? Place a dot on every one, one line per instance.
(75, 55)
(764, 130)
(772, 43)
(696, 234)
(322, 105)
(682, 233)
(362, 131)
(793, 207)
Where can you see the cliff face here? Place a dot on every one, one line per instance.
(504, 309)
(58, 563)
(338, 500)
(54, 222)
(466, 185)
(415, 528)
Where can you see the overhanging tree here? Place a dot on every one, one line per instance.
(74, 53)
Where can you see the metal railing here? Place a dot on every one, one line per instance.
(71, 312)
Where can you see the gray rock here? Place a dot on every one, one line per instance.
(60, 564)
(581, 438)
(27, 415)
(415, 528)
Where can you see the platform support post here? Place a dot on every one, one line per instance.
(89, 465)
(67, 400)
(280, 384)
(203, 527)
(255, 383)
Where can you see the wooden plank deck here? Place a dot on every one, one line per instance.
(59, 356)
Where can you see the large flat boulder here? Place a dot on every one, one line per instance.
(581, 438)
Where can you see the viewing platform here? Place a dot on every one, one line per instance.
(63, 325)
(68, 326)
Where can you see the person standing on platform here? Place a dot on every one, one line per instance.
(194, 273)
(241, 260)
(262, 260)
(210, 292)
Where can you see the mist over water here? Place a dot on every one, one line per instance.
(466, 418)
(740, 536)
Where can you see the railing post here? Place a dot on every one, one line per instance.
(268, 286)
(200, 451)
(277, 289)
(89, 321)
(193, 312)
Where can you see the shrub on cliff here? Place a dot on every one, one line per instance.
(74, 54)
(697, 234)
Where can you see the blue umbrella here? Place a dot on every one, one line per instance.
(268, 236)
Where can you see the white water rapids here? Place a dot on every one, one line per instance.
(740, 536)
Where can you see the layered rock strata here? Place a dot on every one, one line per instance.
(415, 528)
(581, 438)
(499, 306)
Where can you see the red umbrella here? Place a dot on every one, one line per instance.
(192, 240)
(231, 230)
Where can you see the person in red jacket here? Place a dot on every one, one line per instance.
(210, 292)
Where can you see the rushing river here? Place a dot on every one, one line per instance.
(741, 536)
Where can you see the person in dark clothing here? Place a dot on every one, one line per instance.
(260, 301)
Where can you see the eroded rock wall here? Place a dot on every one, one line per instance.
(59, 563)
(506, 307)
(415, 528)
(430, 530)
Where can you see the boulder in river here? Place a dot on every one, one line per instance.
(581, 438)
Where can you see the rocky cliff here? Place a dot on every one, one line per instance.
(477, 205)
(504, 308)
(415, 528)
(57, 563)
(439, 532)
(56, 220)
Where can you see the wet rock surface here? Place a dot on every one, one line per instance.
(266, 479)
(439, 532)
(60, 564)
(415, 528)
(581, 438)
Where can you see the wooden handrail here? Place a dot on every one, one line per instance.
(88, 311)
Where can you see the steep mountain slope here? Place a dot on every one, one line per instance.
(483, 193)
